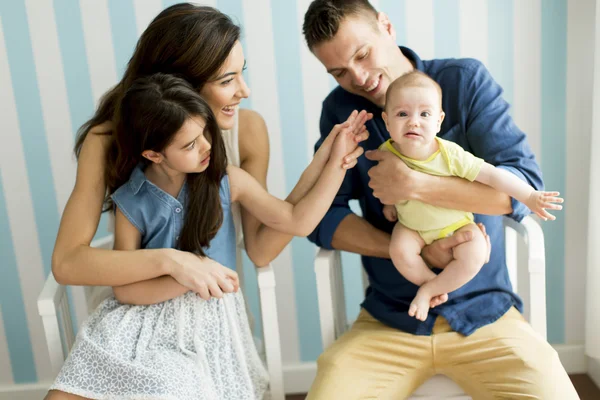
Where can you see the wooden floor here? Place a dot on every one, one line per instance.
(585, 387)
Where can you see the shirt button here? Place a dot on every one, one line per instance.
(178, 210)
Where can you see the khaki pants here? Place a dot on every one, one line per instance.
(504, 360)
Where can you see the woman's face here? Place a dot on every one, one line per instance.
(224, 93)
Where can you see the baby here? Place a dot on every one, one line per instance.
(413, 116)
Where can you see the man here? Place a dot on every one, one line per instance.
(478, 337)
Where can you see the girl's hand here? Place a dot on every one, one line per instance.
(345, 146)
(356, 122)
(204, 276)
(539, 201)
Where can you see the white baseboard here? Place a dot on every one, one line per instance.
(594, 370)
(297, 378)
(572, 357)
(29, 391)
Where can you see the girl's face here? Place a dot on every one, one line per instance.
(189, 152)
(224, 93)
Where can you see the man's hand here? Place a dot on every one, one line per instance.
(439, 253)
(392, 180)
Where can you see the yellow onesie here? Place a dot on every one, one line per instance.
(429, 221)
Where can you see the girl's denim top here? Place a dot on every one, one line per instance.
(159, 217)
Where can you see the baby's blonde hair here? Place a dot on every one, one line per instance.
(414, 78)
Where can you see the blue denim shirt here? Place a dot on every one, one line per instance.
(477, 118)
(159, 217)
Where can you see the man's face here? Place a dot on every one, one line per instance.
(363, 57)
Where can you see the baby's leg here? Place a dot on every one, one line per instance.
(405, 252)
(469, 257)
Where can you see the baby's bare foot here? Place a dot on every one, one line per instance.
(419, 308)
(437, 300)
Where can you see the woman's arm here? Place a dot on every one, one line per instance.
(128, 239)
(74, 262)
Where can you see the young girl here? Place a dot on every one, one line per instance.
(413, 116)
(170, 184)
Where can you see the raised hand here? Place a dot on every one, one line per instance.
(355, 123)
(539, 202)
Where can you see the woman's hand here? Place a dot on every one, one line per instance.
(356, 122)
(202, 275)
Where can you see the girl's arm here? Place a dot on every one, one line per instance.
(262, 243)
(128, 239)
(157, 290)
(74, 262)
(299, 219)
(504, 181)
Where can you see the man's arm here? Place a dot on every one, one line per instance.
(393, 181)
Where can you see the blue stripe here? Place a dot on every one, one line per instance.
(235, 10)
(554, 76)
(13, 307)
(446, 17)
(33, 131)
(124, 33)
(396, 11)
(251, 294)
(72, 49)
(169, 3)
(293, 137)
(501, 45)
(77, 74)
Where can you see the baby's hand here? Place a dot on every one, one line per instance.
(539, 201)
(390, 213)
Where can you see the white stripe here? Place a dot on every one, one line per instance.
(98, 46)
(375, 4)
(580, 72)
(145, 11)
(53, 92)
(315, 84)
(419, 27)
(20, 213)
(527, 70)
(6, 374)
(260, 49)
(474, 29)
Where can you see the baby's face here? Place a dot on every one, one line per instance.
(414, 115)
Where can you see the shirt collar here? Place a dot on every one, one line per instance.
(413, 58)
(137, 179)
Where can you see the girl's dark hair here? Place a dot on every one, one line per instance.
(185, 40)
(148, 117)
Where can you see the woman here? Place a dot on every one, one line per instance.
(201, 45)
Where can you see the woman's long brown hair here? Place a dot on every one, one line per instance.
(185, 40)
(148, 117)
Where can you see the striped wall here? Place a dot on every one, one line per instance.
(58, 57)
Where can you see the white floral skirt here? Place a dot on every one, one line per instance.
(184, 348)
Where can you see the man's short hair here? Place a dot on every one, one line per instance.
(323, 18)
(413, 78)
